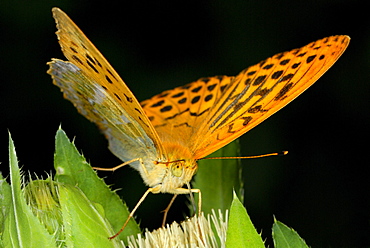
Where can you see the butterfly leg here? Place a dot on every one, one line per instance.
(134, 210)
(186, 191)
(118, 166)
(199, 199)
(165, 212)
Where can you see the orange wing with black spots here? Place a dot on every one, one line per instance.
(178, 113)
(212, 112)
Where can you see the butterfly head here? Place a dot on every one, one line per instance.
(171, 172)
(178, 173)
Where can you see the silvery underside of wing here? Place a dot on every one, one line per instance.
(127, 138)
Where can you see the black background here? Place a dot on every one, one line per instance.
(320, 189)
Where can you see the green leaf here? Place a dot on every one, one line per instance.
(240, 231)
(21, 227)
(83, 223)
(285, 237)
(5, 203)
(72, 168)
(218, 178)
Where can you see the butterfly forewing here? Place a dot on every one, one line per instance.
(104, 89)
(209, 119)
(262, 89)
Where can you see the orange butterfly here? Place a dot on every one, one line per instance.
(165, 136)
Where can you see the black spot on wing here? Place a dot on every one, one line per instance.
(195, 99)
(283, 91)
(269, 66)
(255, 109)
(279, 56)
(111, 74)
(157, 104)
(74, 57)
(97, 61)
(164, 94)
(211, 87)
(246, 119)
(230, 129)
(137, 110)
(208, 97)
(183, 124)
(259, 80)
(90, 59)
(129, 99)
(199, 114)
(182, 100)
(310, 59)
(165, 109)
(73, 50)
(295, 51)
(295, 65)
(284, 62)
(180, 113)
(263, 92)
(277, 74)
(262, 63)
(222, 88)
(117, 97)
(251, 73)
(178, 95)
(220, 78)
(286, 77)
(108, 79)
(92, 66)
(197, 89)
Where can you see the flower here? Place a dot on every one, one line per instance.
(194, 232)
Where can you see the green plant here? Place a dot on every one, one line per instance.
(76, 208)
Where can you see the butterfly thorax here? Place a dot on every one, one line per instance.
(171, 173)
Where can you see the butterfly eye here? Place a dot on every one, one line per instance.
(177, 168)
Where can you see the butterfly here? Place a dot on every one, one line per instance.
(163, 137)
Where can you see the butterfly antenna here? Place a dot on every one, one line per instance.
(248, 157)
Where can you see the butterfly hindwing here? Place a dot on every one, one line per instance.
(184, 108)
